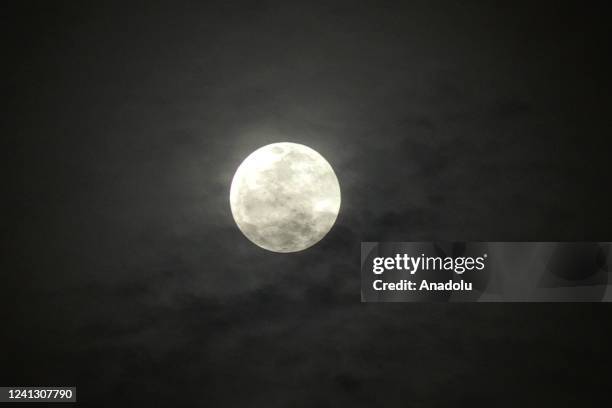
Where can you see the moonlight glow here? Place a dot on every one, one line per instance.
(285, 197)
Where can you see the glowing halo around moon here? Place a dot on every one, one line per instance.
(285, 197)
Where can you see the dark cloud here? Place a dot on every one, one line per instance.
(127, 277)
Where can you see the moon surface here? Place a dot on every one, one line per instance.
(285, 197)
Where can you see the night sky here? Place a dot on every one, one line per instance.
(126, 276)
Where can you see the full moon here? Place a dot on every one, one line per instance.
(285, 197)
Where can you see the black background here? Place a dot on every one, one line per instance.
(126, 276)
